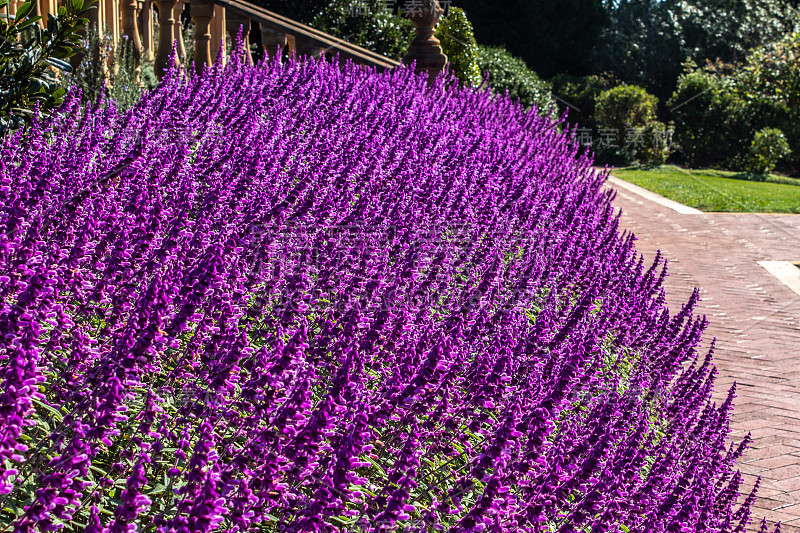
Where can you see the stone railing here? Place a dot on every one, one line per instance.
(214, 19)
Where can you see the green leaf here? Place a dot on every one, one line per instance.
(28, 21)
(77, 5)
(55, 412)
(377, 465)
(159, 488)
(59, 64)
(24, 10)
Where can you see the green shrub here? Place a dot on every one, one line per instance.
(713, 122)
(454, 31)
(578, 94)
(27, 52)
(112, 73)
(768, 147)
(770, 81)
(509, 73)
(625, 106)
(367, 23)
(627, 114)
(657, 143)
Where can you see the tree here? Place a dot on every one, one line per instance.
(647, 41)
(551, 37)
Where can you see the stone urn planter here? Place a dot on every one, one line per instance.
(425, 49)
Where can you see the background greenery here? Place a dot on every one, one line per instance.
(507, 73)
(31, 58)
(457, 40)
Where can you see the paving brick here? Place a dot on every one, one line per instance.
(787, 472)
(775, 462)
(756, 322)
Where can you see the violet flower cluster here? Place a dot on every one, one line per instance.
(303, 297)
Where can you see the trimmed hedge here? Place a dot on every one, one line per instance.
(507, 73)
(455, 33)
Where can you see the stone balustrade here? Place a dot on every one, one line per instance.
(215, 19)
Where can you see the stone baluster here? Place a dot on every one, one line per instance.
(425, 48)
(291, 44)
(95, 16)
(112, 20)
(166, 25)
(311, 49)
(202, 12)
(177, 29)
(130, 28)
(233, 23)
(273, 41)
(148, 31)
(218, 34)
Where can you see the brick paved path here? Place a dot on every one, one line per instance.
(756, 320)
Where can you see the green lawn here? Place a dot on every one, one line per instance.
(717, 190)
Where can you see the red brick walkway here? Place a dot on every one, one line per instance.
(756, 320)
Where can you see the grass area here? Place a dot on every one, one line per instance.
(717, 190)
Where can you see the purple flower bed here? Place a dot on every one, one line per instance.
(304, 298)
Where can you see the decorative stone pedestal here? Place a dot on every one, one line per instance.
(425, 49)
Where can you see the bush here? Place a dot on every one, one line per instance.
(508, 73)
(366, 23)
(625, 106)
(27, 52)
(713, 122)
(768, 147)
(361, 305)
(103, 71)
(657, 144)
(454, 31)
(718, 109)
(626, 112)
(578, 96)
(770, 80)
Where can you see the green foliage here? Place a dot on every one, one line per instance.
(656, 143)
(578, 94)
(630, 111)
(27, 52)
(768, 147)
(454, 31)
(770, 82)
(774, 71)
(366, 23)
(625, 106)
(550, 37)
(712, 120)
(509, 73)
(718, 109)
(371, 25)
(646, 41)
(104, 71)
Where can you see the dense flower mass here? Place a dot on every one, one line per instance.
(299, 297)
